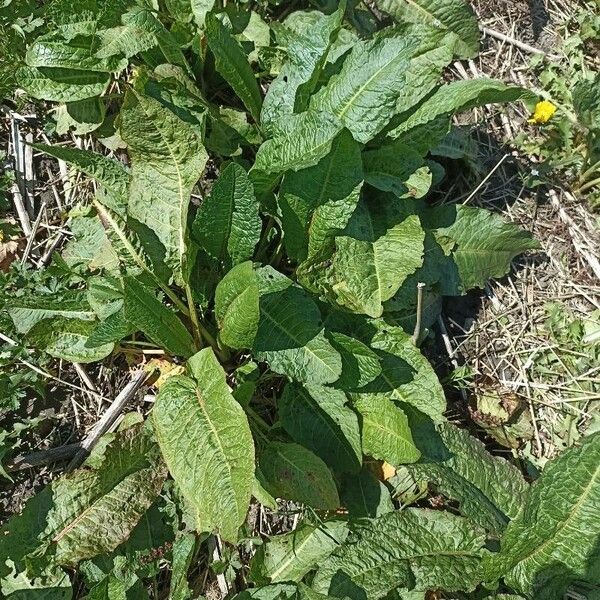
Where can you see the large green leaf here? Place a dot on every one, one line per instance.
(25, 312)
(386, 432)
(232, 63)
(227, 225)
(94, 509)
(67, 338)
(554, 540)
(292, 472)
(376, 80)
(289, 557)
(112, 174)
(298, 142)
(360, 364)
(365, 496)
(284, 330)
(432, 119)
(369, 263)
(167, 158)
(307, 53)
(206, 442)
(455, 16)
(491, 491)
(76, 54)
(407, 377)
(424, 549)
(317, 202)
(482, 243)
(159, 322)
(89, 247)
(61, 85)
(317, 417)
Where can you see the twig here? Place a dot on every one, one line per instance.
(577, 236)
(108, 418)
(215, 541)
(450, 351)
(43, 457)
(518, 44)
(85, 377)
(419, 319)
(486, 178)
(32, 234)
(43, 373)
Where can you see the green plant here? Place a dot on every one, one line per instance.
(298, 274)
(569, 142)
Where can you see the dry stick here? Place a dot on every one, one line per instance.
(85, 377)
(419, 320)
(215, 541)
(17, 190)
(43, 457)
(518, 44)
(450, 351)
(577, 236)
(486, 178)
(29, 174)
(33, 233)
(108, 418)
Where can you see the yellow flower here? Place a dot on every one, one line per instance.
(543, 112)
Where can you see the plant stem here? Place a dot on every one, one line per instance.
(589, 185)
(589, 172)
(417, 331)
(193, 317)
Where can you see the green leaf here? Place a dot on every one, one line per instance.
(455, 16)
(144, 310)
(433, 116)
(237, 306)
(78, 54)
(183, 554)
(374, 82)
(168, 158)
(586, 102)
(482, 243)
(365, 496)
(389, 168)
(289, 557)
(406, 375)
(307, 53)
(89, 247)
(110, 173)
(227, 225)
(294, 473)
(212, 457)
(200, 8)
(284, 330)
(316, 203)
(491, 491)
(124, 40)
(298, 142)
(370, 262)
(386, 433)
(67, 339)
(318, 418)
(360, 364)
(26, 312)
(61, 85)
(232, 63)
(290, 335)
(425, 549)
(554, 540)
(92, 510)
